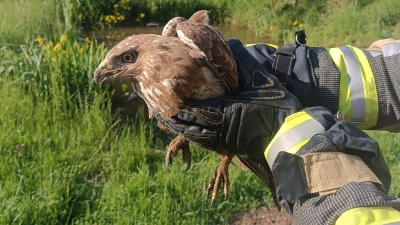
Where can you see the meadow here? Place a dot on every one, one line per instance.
(65, 158)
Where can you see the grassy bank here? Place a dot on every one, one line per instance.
(66, 159)
(328, 23)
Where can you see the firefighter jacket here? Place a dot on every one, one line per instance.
(328, 171)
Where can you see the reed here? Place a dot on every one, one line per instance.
(19, 19)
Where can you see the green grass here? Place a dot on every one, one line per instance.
(390, 146)
(327, 23)
(18, 19)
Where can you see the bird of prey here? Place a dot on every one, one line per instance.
(191, 60)
(210, 42)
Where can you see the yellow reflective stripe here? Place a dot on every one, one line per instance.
(295, 132)
(370, 93)
(272, 45)
(369, 216)
(344, 91)
(296, 148)
(356, 81)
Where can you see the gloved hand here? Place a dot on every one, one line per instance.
(242, 124)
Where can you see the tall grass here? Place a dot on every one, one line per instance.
(19, 18)
(328, 23)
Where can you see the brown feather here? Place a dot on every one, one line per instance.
(209, 42)
(200, 17)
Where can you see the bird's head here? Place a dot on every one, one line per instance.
(162, 70)
(119, 63)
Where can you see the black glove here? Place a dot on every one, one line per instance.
(243, 123)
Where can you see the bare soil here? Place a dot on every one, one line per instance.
(263, 216)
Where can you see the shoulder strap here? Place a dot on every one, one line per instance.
(285, 58)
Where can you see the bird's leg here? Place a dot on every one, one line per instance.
(220, 177)
(177, 144)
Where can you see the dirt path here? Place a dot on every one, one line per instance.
(263, 216)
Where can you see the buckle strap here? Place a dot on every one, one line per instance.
(285, 58)
(321, 172)
(326, 172)
(301, 37)
(283, 64)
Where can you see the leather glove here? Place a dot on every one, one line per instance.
(242, 124)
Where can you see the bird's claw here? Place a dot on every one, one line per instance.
(220, 177)
(177, 144)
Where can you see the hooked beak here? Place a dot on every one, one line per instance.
(102, 75)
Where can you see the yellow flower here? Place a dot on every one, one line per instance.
(295, 22)
(116, 5)
(57, 46)
(107, 19)
(300, 25)
(54, 59)
(87, 40)
(270, 28)
(142, 15)
(124, 87)
(81, 50)
(63, 38)
(122, 17)
(39, 40)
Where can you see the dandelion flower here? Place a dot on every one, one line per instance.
(295, 22)
(57, 46)
(87, 40)
(39, 40)
(142, 15)
(63, 38)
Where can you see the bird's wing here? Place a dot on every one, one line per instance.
(200, 17)
(260, 168)
(210, 42)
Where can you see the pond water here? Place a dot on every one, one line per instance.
(112, 36)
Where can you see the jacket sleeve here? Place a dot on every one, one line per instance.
(325, 167)
(362, 84)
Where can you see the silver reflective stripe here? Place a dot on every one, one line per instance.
(355, 85)
(374, 53)
(394, 223)
(390, 49)
(294, 136)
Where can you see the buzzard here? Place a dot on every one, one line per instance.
(190, 60)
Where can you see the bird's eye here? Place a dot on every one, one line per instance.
(128, 57)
